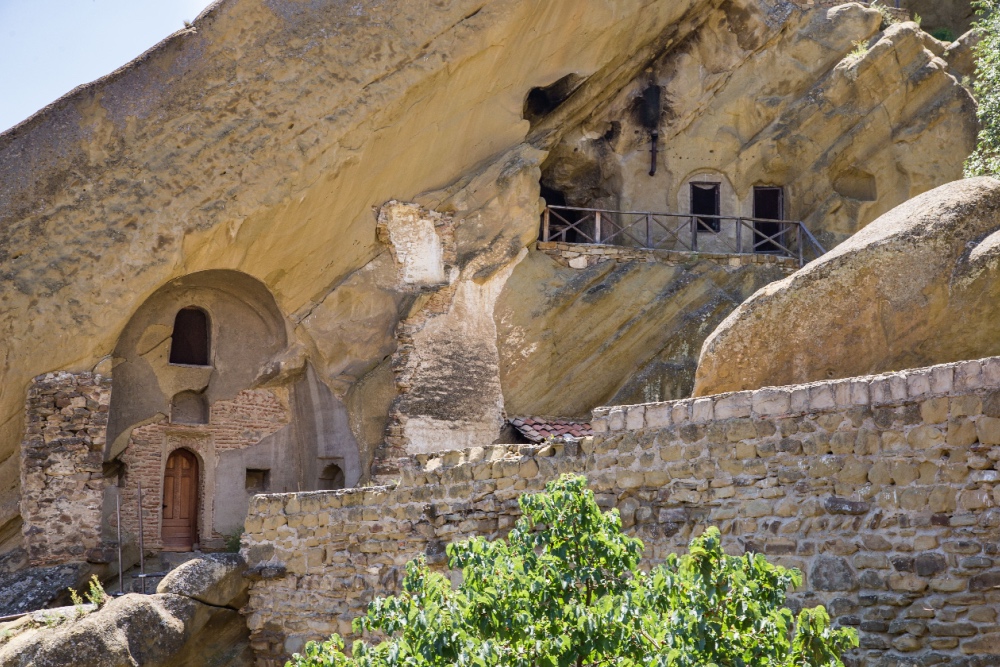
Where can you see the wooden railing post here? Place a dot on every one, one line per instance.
(799, 238)
(545, 225)
(694, 234)
(649, 236)
(739, 235)
(597, 227)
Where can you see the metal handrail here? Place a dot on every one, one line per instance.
(625, 228)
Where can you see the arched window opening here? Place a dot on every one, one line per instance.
(332, 478)
(190, 340)
(189, 407)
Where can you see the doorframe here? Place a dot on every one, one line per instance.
(781, 199)
(198, 494)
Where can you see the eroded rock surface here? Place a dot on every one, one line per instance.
(261, 140)
(193, 620)
(918, 286)
(213, 579)
(616, 332)
(38, 587)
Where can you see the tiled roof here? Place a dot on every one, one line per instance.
(539, 429)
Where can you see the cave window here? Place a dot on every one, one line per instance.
(189, 407)
(189, 343)
(258, 480)
(331, 478)
(705, 199)
(544, 100)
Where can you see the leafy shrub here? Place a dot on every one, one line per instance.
(943, 34)
(565, 589)
(96, 595)
(888, 18)
(233, 540)
(985, 160)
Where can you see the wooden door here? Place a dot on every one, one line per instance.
(180, 501)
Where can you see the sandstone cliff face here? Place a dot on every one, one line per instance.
(916, 287)
(750, 98)
(260, 140)
(615, 333)
(764, 98)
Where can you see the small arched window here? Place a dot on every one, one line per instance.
(332, 478)
(190, 341)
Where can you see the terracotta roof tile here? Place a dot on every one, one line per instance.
(539, 429)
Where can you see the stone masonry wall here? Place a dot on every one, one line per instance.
(884, 491)
(581, 256)
(62, 484)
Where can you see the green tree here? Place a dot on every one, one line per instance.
(565, 590)
(985, 160)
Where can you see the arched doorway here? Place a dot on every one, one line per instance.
(180, 501)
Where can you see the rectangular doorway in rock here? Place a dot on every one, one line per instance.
(180, 501)
(768, 204)
(705, 200)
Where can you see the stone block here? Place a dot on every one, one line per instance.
(897, 387)
(934, 410)
(987, 581)
(969, 375)
(681, 412)
(635, 417)
(988, 430)
(835, 505)
(734, 405)
(942, 379)
(925, 437)
(771, 401)
(988, 644)
(799, 400)
(703, 410)
(918, 383)
(842, 393)
(881, 393)
(860, 392)
(832, 573)
(821, 398)
(658, 415)
(616, 419)
(991, 372)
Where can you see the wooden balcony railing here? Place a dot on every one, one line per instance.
(675, 231)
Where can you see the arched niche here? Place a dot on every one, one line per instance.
(189, 407)
(245, 330)
(331, 477)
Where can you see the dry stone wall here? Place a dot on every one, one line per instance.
(62, 482)
(883, 490)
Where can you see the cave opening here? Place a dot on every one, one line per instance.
(544, 100)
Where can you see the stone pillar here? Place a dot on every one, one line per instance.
(62, 484)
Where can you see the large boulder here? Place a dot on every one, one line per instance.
(193, 620)
(918, 286)
(148, 630)
(214, 579)
(38, 587)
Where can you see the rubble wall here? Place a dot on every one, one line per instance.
(61, 467)
(882, 490)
